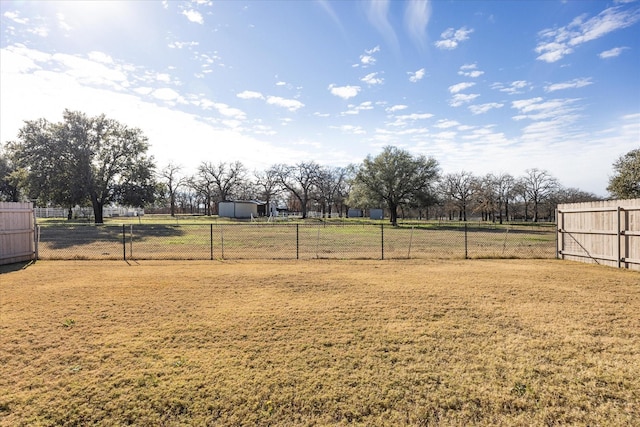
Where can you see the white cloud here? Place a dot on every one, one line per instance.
(166, 94)
(182, 45)
(450, 38)
(344, 92)
(416, 17)
(15, 17)
(354, 130)
(460, 99)
(377, 12)
(355, 109)
(372, 79)
(460, 87)
(417, 76)
(572, 84)
(446, 124)
(470, 70)
(193, 16)
(612, 53)
(228, 111)
(484, 108)
(62, 23)
(100, 57)
(559, 42)
(398, 107)
(289, 104)
(367, 59)
(556, 110)
(249, 94)
(513, 88)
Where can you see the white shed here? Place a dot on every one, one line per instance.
(239, 209)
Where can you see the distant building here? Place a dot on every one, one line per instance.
(354, 213)
(244, 209)
(376, 214)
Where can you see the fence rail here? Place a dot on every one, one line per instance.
(292, 241)
(601, 232)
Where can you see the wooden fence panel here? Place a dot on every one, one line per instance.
(606, 232)
(17, 232)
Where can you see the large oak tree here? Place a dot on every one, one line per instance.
(395, 178)
(83, 159)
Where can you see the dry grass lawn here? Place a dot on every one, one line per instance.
(481, 342)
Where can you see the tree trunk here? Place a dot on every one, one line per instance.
(393, 212)
(97, 209)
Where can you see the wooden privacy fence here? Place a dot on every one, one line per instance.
(17, 232)
(606, 232)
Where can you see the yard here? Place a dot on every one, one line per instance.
(319, 342)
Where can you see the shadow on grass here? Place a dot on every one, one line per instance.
(16, 266)
(68, 236)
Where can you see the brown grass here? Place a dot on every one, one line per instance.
(483, 342)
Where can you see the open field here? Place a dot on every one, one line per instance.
(319, 342)
(308, 240)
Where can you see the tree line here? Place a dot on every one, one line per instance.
(98, 161)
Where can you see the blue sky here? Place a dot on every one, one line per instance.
(482, 86)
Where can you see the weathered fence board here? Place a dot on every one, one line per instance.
(606, 232)
(17, 232)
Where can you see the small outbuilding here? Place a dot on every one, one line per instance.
(376, 214)
(354, 213)
(241, 209)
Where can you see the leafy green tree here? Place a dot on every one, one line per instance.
(9, 178)
(85, 159)
(625, 183)
(396, 178)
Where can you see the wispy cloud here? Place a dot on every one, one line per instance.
(513, 88)
(397, 107)
(558, 42)
(377, 12)
(193, 16)
(416, 76)
(446, 124)
(484, 108)
(355, 109)
(451, 38)
(460, 87)
(460, 99)
(572, 84)
(540, 109)
(612, 53)
(344, 92)
(416, 18)
(372, 79)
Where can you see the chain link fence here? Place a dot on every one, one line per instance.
(252, 241)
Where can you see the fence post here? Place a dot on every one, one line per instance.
(382, 240)
(211, 239)
(466, 243)
(297, 241)
(124, 243)
(619, 237)
(221, 242)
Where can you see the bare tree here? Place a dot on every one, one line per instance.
(459, 187)
(267, 186)
(172, 180)
(329, 184)
(538, 186)
(299, 180)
